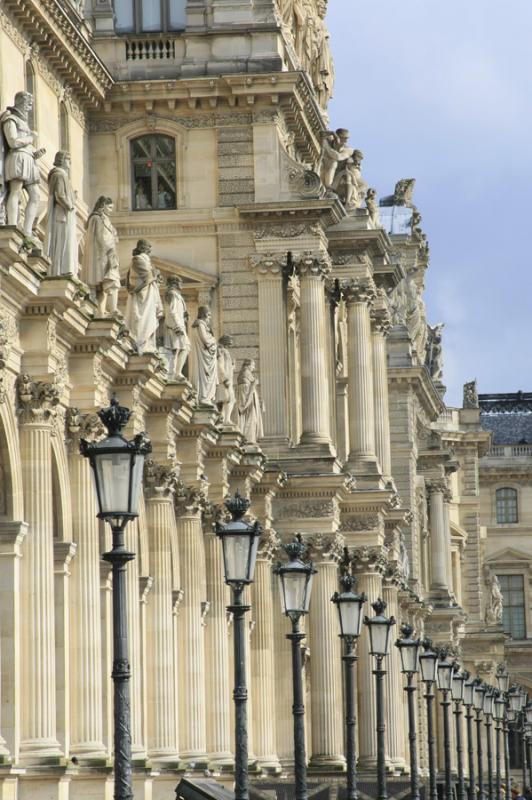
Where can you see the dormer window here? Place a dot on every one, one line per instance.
(150, 16)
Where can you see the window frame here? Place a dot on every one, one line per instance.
(137, 29)
(501, 576)
(516, 496)
(133, 161)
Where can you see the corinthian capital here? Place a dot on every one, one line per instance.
(312, 263)
(268, 263)
(436, 485)
(38, 400)
(369, 559)
(358, 290)
(380, 320)
(324, 547)
(82, 426)
(269, 544)
(189, 499)
(160, 480)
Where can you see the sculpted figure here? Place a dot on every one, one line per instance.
(175, 323)
(102, 269)
(334, 149)
(204, 367)
(322, 64)
(61, 244)
(225, 392)
(373, 207)
(349, 183)
(470, 395)
(144, 307)
(415, 314)
(494, 602)
(248, 403)
(403, 194)
(18, 158)
(434, 359)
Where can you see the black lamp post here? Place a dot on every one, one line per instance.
(428, 663)
(379, 628)
(240, 542)
(503, 681)
(117, 468)
(489, 699)
(499, 710)
(349, 605)
(409, 652)
(445, 680)
(469, 687)
(478, 703)
(523, 697)
(457, 691)
(295, 579)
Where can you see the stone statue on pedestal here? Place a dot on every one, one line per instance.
(175, 325)
(203, 358)
(61, 244)
(334, 150)
(470, 395)
(225, 392)
(373, 207)
(144, 307)
(101, 265)
(494, 602)
(349, 183)
(18, 163)
(434, 358)
(248, 403)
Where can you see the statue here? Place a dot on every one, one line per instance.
(494, 602)
(225, 392)
(322, 64)
(373, 207)
(334, 150)
(203, 358)
(403, 194)
(175, 322)
(102, 269)
(144, 307)
(60, 243)
(470, 395)
(434, 352)
(18, 167)
(248, 403)
(349, 183)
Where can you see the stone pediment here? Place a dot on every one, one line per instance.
(509, 555)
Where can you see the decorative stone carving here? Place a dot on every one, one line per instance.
(249, 406)
(305, 183)
(349, 184)
(365, 558)
(225, 391)
(358, 290)
(334, 151)
(494, 601)
(381, 320)
(18, 163)
(269, 544)
(160, 480)
(330, 548)
(436, 485)
(37, 399)
(175, 328)
(61, 244)
(101, 265)
(189, 499)
(434, 352)
(266, 263)
(403, 194)
(359, 523)
(203, 358)
(471, 395)
(321, 66)
(307, 509)
(144, 307)
(310, 263)
(373, 207)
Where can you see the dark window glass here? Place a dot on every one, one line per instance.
(513, 605)
(153, 173)
(506, 504)
(150, 16)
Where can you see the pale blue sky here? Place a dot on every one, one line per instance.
(441, 90)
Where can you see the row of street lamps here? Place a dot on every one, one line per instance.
(117, 468)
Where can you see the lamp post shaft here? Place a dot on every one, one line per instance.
(412, 737)
(471, 795)
(298, 710)
(489, 752)
(529, 749)
(480, 766)
(349, 658)
(506, 745)
(523, 751)
(379, 672)
(498, 760)
(240, 695)
(118, 558)
(445, 704)
(459, 749)
(431, 741)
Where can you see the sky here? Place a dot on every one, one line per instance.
(441, 91)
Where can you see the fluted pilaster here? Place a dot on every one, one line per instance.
(380, 327)
(394, 689)
(439, 538)
(138, 743)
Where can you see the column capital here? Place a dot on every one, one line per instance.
(161, 481)
(359, 290)
(436, 485)
(189, 500)
(79, 425)
(268, 263)
(325, 547)
(380, 321)
(37, 400)
(311, 263)
(369, 559)
(269, 544)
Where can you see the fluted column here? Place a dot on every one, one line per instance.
(359, 295)
(86, 721)
(312, 269)
(192, 561)
(327, 745)
(263, 656)
(447, 498)
(380, 319)
(133, 588)
(38, 738)
(394, 694)
(439, 538)
(159, 484)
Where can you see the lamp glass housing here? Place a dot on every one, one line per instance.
(514, 699)
(503, 679)
(511, 715)
(428, 663)
(379, 634)
(499, 707)
(350, 616)
(295, 582)
(457, 686)
(478, 696)
(240, 543)
(528, 713)
(409, 652)
(487, 705)
(469, 687)
(445, 675)
(523, 698)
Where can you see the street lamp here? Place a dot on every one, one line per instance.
(506, 745)
(349, 605)
(469, 687)
(240, 542)
(379, 628)
(478, 703)
(487, 708)
(295, 579)
(409, 652)
(503, 678)
(499, 708)
(428, 663)
(117, 467)
(445, 681)
(457, 692)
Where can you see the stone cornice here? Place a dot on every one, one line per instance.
(423, 386)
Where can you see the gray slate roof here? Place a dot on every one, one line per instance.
(507, 416)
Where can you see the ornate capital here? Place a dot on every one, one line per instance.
(380, 320)
(311, 263)
(369, 559)
(358, 290)
(82, 426)
(436, 485)
(38, 400)
(160, 480)
(268, 263)
(269, 544)
(324, 547)
(189, 499)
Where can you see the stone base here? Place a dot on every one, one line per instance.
(325, 765)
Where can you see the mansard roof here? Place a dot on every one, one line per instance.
(508, 416)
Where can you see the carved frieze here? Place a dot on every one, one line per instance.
(306, 509)
(289, 231)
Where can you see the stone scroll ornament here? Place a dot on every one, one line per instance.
(18, 165)
(100, 264)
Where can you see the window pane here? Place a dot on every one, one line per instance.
(177, 14)
(154, 172)
(124, 15)
(166, 185)
(141, 147)
(164, 147)
(142, 198)
(506, 505)
(513, 615)
(151, 15)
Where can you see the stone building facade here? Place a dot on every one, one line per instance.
(206, 124)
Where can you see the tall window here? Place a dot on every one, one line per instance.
(64, 137)
(150, 16)
(153, 173)
(506, 503)
(30, 87)
(513, 605)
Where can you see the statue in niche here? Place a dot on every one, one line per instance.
(334, 150)
(349, 183)
(373, 207)
(60, 243)
(322, 66)
(175, 325)
(225, 391)
(144, 307)
(434, 358)
(248, 403)
(18, 163)
(494, 602)
(204, 366)
(470, 395)
(102, 268)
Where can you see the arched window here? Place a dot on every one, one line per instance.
(30, 87)
(64, 134)
(147, 16)
(153, 173)
(506, 505)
